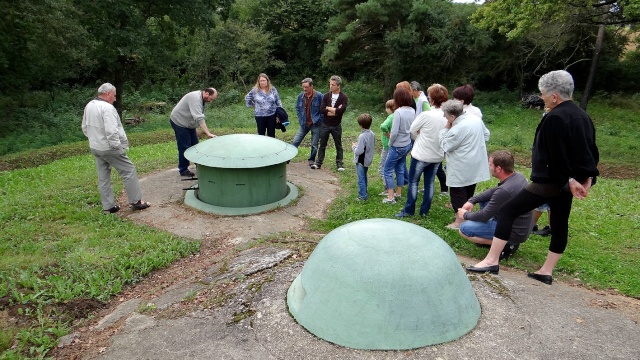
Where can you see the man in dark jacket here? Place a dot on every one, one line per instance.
(334, 104)
(309, 117)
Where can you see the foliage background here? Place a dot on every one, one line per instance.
(55, 53)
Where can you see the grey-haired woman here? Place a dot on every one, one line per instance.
(563, 166)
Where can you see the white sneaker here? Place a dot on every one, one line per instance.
(384, 193)
(314, 167)
(388, 201)
(341, 169)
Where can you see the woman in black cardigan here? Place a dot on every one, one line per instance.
(563, 165)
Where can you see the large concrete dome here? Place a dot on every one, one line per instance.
(383, 284)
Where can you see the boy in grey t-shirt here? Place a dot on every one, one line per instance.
(363, 153)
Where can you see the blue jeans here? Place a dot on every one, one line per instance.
(416, 169)
(396, 162)
(315, 136)
(185, 138)
(362, 181)
(383, 160)
(483, 230)
(336, 134)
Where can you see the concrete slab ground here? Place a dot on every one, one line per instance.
(236, 308)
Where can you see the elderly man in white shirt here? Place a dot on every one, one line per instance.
(463, 141)
(102, 126)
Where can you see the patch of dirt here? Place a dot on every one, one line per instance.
(618, 171)
(79, 308)
(608, 171)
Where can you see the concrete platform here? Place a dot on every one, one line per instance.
(521, 318)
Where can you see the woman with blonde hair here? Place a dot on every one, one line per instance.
(264, 99)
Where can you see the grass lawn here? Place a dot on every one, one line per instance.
(56, 246)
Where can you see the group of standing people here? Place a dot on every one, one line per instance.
(429, 128)
(318, 114)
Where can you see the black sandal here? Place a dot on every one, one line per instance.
(140, 205)
(112, 210)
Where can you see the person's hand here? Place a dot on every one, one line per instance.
(467, 206)
(578, 190)
(354, 144)
(210, 136)
(278, 120)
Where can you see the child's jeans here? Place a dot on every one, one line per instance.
(362, 181)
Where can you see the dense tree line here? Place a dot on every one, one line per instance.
(46, 44)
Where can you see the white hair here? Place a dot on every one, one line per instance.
(452, 107)
(559, 81)
(106, 88)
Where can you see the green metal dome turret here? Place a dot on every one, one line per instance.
(383, 284)
(241, 174)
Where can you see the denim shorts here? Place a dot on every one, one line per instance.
(479, 229)
(543, 208)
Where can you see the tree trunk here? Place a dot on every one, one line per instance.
(118, 82)
(594, 66)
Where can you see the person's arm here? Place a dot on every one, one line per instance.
(450, 139)
(85, 123)
(316, 104)
(205, 129)
(358, 149)
(300, 109)
(196, 109)
(466, 207)
(249, 98)
(386, 125)
(417, 124)
(487, 133)
(326, 101)
(342, 107)
(395, 127)
(111, 121)
(277, 97)
(583, 154)
(496, 196)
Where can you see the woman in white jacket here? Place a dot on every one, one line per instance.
(463, 141)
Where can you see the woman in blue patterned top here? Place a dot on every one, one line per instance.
(264, 100)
